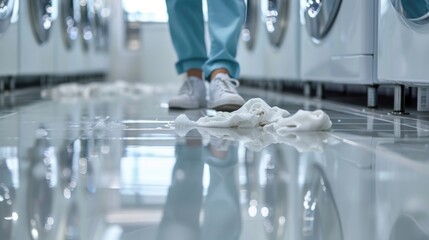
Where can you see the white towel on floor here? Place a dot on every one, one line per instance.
(257, 113)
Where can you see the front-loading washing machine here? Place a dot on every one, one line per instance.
(338, 41)
(8, 40)
(403, 37)
(36, 45)
(100, 57)
(282, 26)
(402, 46)
(68, 49)
(251, 52)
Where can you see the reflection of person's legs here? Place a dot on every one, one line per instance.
(182, 209)
(222, 217)
(186, 24)
(226, 18)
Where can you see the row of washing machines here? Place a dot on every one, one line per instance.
(365, 42)
(53, 38)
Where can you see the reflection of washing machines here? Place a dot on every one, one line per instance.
(337, 192)
(37, 48)
(8, 39)
(282, 26)
(337, 41)
(252, 47)
(403, 52)
(401, 192)
(68, 48)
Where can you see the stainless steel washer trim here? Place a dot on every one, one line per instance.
(41, 15)
(276, 20)
(250, 28)
(6, 10)
(320, 16)
(70, 20)
(416, 11)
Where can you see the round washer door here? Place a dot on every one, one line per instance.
(248, 33)
(416, 11)
(276, 20)
(41, 13)
(6, 10)
(320, 16)
(70, 19)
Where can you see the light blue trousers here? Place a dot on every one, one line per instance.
(225, 20)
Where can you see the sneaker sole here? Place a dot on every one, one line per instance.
(227, 107)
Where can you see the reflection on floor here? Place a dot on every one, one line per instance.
(116, 168)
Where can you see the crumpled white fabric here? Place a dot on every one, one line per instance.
(257, 113)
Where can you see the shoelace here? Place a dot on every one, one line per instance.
(228, 84)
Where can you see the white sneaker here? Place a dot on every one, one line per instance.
(223, 94)
(191, 95)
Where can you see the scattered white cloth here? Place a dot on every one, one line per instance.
(256, 113)
(100, 90)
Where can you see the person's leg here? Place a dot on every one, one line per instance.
(226, 18)
(186, 24)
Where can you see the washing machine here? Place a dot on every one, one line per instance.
(66, 35)
(282, 27)
(8, 39)
(251, 52)
(87, 15)
(36, 45)
(402, 42)
(337, 190)
(401, 191)
(337, 41)
(101, 36)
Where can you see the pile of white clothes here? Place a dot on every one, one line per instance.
(256, 113)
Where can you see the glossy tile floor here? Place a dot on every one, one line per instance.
(115, 168)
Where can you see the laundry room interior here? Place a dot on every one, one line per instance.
(214, 119)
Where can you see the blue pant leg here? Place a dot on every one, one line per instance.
(186, 24)
(226, 18)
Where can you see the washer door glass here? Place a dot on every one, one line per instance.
(70, 18)
(251, 25)
(320, 16)
(413, 10)
(41, 13)
(276, 20)
(6, 10)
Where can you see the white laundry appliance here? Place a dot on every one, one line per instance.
(100, 58)
(337, 186)
(8, 40)
(251, 50)
(36, 45)
(401, 193)
(338, 41)
(87, 33)
(403, 51)
(66, 35)
(403, 35)
(282, 26)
